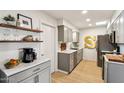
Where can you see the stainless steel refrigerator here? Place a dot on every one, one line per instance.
(103, 44)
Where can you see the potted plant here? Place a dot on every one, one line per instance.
(9, 19)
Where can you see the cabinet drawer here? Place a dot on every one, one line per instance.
(40, 77)
(27, 73)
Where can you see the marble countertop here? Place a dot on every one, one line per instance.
(68, 51)
(23, 66)
(108, 51)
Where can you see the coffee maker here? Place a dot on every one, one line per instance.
(28, 55)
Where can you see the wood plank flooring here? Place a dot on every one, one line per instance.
(85, 72)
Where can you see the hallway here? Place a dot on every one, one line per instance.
(85, 72)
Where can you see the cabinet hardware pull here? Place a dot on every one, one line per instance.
(36, 69)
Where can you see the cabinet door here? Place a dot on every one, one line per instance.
(105, 71)
(71, 61)
(80, 56)
(44, 76)
(69, 35)
(40, 77)
(75, 36)
(121, 27)
(117, 29)
(31, 79)
(115, 73)
(65, 34)
(61, 33)
(75, 58)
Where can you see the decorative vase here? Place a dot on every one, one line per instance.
(63, 46)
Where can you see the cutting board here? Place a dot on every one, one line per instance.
(117, 58)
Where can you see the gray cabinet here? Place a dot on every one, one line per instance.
(79, 55)
(75, 37)
(36, 74)
(69, 35)
(64, 34)
(113, 71)
(66, 62)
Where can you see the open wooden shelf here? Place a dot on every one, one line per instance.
(20, 28)
(9, 41)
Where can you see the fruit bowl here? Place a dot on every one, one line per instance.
(12, 63)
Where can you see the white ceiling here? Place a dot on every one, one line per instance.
(78, 19)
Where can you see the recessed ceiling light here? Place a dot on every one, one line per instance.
(101, 23)
(88, 19)
(84, 12)
(90, 24)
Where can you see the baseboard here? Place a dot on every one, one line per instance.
(62, 71)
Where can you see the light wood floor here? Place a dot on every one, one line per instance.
(85, 72)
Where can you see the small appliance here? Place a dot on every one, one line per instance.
(118, 50)
(113, 37)
(28, 55)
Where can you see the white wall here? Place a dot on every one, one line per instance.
(114, 16)
(36, 15)
(90, 54)
(10, 50)
(68, 24)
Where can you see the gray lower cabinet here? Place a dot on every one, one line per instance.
(79, 55)
(66, 61)
(113, 72)
(37, 74)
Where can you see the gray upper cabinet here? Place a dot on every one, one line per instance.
(69, 35)
(64, 34)
(75, 36)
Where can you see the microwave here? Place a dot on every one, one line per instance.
(113, 37)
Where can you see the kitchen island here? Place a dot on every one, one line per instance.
(113, 68)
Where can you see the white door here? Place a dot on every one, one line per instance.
(49, 44)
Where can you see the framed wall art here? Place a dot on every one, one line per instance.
(24, 21)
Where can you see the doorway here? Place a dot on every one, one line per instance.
(49, 45)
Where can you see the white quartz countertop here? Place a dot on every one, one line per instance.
(22, 66)
(68, 51)
(107, 51)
